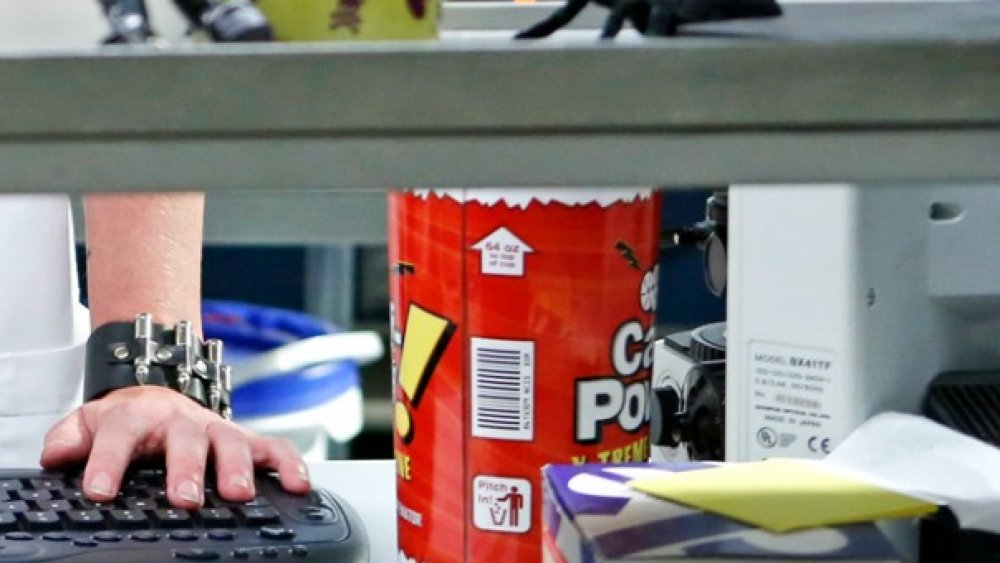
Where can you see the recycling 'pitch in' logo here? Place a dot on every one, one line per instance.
(501, 504)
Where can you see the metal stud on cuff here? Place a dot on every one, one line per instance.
(189, 366)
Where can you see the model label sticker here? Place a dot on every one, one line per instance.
(501, 504)
(502, 253)
(791, 390)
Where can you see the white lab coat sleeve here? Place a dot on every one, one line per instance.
(43, 329)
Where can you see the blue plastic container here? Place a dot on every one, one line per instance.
(248, 330)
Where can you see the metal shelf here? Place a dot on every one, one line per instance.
(292, 218)
(892, 92)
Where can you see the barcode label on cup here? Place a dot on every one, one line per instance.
(503, 389)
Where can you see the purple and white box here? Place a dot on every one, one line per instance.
(591, 515)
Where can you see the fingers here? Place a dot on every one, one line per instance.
(66, 443)
(116, 437)
(281, 455)
(233, 461)
(134, 423)
(186, 445)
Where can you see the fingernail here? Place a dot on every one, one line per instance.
(101, 485)
(188, 490)
(303, 472)
(239, 481)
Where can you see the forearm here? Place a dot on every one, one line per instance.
(144, 255)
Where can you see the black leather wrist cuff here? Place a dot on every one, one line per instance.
(126, 354)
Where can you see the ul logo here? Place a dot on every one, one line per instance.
(767, 437)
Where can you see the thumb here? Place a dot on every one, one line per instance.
(67, 443)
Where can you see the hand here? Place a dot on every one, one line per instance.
(150, 421)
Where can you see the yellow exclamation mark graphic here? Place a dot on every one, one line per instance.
(424, 340)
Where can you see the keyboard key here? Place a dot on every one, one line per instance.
(269, 553)
(86, 504)
(259, 501)
(315, 498)
(73, 495)
(221, 535)
(33, 494)
(14, 506)
(210, 501)
(300, 551)
(172, 518)
(183, 535)
(85, 519)
(158, 497)
(276, 533)
(157, 493)
(42, 520)
(11, 485)
(18, 536)
(241, 553)
(48, 483)
(128, 519)
(4, 496)
(218, 501)
(107, 536)
(196, 554)
(141, 504)
(146, 536)
(132, 484)
(8, 521)
(216, 517)
(317, 515)
(150, 476)
(56, 505)
(56, 536)
(259, 515)
(84, 542)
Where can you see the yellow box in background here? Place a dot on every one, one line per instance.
(338, 20)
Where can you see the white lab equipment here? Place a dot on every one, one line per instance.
(846, 301)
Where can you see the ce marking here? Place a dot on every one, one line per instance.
(816, 445)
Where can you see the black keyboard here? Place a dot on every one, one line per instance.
(44, 516)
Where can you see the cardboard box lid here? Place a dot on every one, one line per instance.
(613, 522)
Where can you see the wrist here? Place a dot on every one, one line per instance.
(128, 354)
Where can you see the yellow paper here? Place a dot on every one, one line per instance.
(782, 495)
